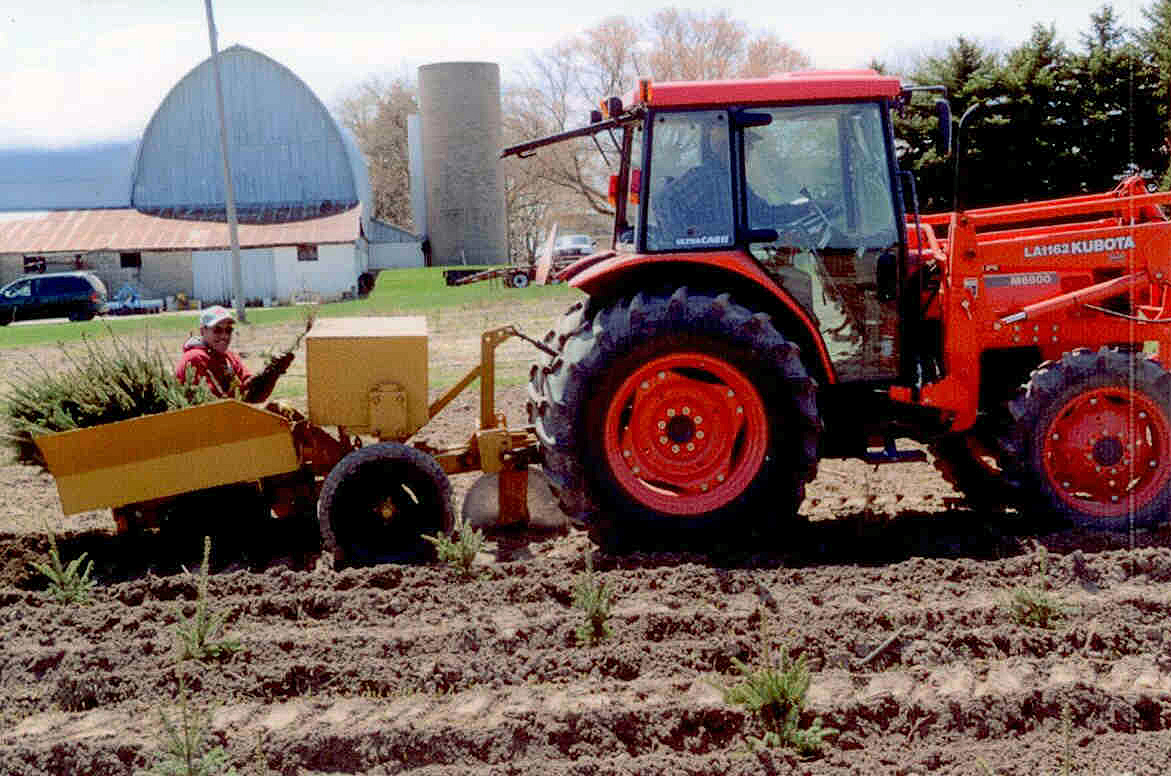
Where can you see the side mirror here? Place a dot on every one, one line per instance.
(943, 135)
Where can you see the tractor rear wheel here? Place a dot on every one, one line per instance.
(377, 503)
(666, 416)
(1094, 436)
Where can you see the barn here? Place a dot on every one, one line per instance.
(151, 213)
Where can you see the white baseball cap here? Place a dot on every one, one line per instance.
(214, 314)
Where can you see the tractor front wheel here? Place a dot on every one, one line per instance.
(1094, 435)
(377, 503)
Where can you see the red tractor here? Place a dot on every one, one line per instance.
(772, 296)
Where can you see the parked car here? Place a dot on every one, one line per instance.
(570, 245)
(78, 296)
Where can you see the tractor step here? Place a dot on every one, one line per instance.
(891, 454)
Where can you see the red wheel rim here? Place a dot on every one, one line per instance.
(1105, 452)
(686, 434)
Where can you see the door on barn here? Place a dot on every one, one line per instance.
(212, 271)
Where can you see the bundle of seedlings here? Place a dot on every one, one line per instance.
(275, 366)
(104, 381)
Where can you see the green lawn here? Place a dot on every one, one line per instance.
(419, 291)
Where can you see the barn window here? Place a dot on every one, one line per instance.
(131, 260)
(34, 264)
(306, 253)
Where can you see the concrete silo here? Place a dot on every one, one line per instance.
(459, 107)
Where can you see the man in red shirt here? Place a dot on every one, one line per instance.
(207, 359)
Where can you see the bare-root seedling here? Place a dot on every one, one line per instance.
(198, 637)
(69, 583)
(774, 694)
(459, 548)
(184, 745)
(595, 599)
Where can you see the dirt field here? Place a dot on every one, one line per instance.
(897, 595)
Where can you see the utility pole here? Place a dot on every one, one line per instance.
(229, 189)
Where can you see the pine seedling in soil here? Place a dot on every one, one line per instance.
(198, 637)
(459, 548)
(69, 583)
(774, 694)
(595, 599)
(108, 381)
(184, 744)
(1033, 606)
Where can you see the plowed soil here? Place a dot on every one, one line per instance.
(897, 595)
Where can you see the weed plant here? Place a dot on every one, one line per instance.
(108, 381)
(595, 599)
(184, 744)
(198, 637)
(774, 694)
(69, 583)
(459, 548)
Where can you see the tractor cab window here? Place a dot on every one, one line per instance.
(689, 197)
(819, 176)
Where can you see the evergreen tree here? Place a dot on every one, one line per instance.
(1155, 42)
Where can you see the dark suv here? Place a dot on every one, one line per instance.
(78, 296)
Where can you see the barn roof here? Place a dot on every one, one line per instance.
(82, 231)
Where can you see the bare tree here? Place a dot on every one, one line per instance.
(562, 84)
(376, 112)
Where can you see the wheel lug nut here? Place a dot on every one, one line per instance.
(704, 487)
(670, 413)
(674, 448)
(719, 478)
(645, 385)
(698, 419)
(1142, 414)
(662, 424)
(686, 410)
(1056, 436)
(731, 394)
(662, 375)
(699, 435)
(662, 440)
(626, 453)
(635, 470)
(739, 410)
(691, 445)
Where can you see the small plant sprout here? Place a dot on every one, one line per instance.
(774, 694)
(1033, 606)
(69, 583)
(458, 552)
(595, 599)
(198, 635)
(184, 745)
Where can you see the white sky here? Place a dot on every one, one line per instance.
(80, 71)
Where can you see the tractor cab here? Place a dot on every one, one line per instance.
(792, 176)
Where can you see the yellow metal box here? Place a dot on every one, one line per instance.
(156, 456)
(355, 365)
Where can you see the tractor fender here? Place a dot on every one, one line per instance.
(731, 271)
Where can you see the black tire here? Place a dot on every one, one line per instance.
(970, 464)
(519, 280)
(377, 503)
(365, 283)
(1092, 439)
(586, 408)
